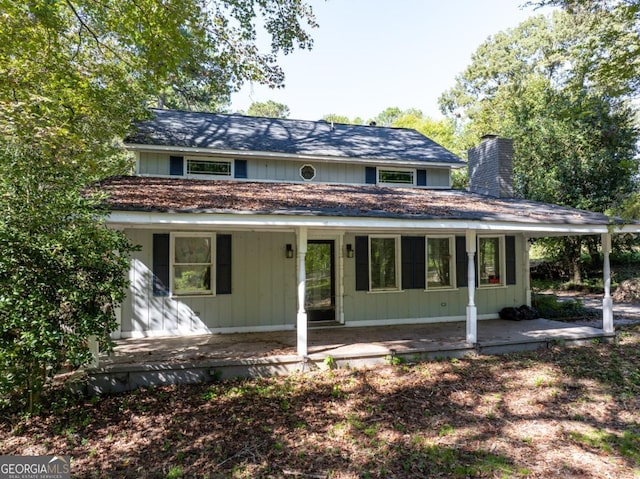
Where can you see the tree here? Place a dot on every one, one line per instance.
(62, 275)
(388, 116)
(334, 118)
(74, 75)
(268, 109)
(612, 58)
(574, 137)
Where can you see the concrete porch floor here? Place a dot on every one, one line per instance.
(154, 361)
(340, 341)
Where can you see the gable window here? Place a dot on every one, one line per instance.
(384, 271)
(192, 264)
(490, 261)
(440, 262)
(208, 167)
(393, 176)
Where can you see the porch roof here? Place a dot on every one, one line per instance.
(177, 195)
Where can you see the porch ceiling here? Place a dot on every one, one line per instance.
(137, 199)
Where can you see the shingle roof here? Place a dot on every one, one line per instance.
(130, 193)
(314, 138)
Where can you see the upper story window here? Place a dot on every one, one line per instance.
(208, 167)
(307, 172)
(393, 176)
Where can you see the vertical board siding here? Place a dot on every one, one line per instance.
(438, 177)
(263, 289)
(153, 163)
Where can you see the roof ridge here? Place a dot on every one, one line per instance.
(321, 121)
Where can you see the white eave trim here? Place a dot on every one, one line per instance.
(288, 156)
(140, 219)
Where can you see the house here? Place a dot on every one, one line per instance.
(255, 224)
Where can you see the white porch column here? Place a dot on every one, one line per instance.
(527, 270)
(301, 323)
(472, 312)
(607, 302)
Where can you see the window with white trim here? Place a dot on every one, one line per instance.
(491, 262)
(440, 262)
(384, 271)
(396, 176)
(192, 264)
(203, 167)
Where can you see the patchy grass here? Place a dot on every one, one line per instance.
(563, 412)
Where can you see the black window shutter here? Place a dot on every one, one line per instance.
(421, 177)
(370, 175)
(510, 259)
(462, 262)
(413, 262)
(362, 263)
(240, 168)
(176, 165)
(160, 264)
(223, 264)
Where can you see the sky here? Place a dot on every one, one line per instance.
(372, 54)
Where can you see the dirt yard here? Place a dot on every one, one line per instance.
(565, 413)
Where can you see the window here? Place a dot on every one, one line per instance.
(440, 262)
(192, 263)
(307, 172)
(208, 167)
(384, 263)
(490, 262)
(396, 177)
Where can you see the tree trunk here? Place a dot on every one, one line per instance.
(576, 270)
(573, 251)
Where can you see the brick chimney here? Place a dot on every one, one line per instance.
(491, 167)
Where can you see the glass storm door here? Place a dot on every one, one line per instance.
(320, 297)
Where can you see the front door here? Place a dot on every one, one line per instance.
(320, 297)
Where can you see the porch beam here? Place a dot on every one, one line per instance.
(472, 312)
(607, 302)
(301, 320)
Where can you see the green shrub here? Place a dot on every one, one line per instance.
(548, 306)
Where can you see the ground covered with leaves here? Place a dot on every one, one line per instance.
(562, 412)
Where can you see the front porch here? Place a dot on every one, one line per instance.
(155, 361)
